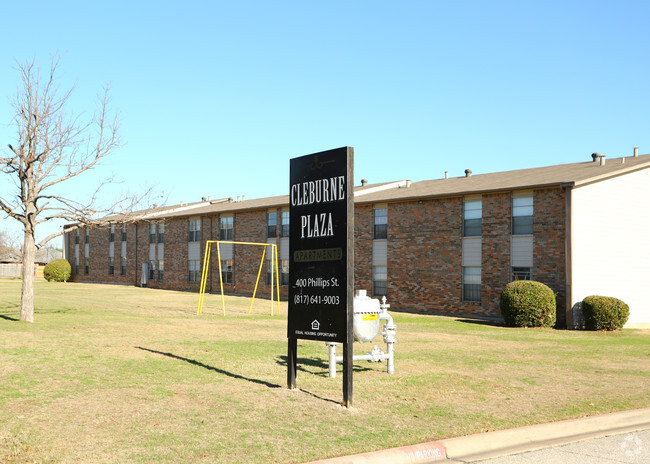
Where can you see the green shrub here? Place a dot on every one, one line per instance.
(58, 270)
(604, 313)
(525, 303)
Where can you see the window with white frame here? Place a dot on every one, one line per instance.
(379, 281)
(227, 271)
(161, 232)
(472, 217)
(111, 233)
(226, 228)
(284, 232)
(111, 265)
(380, 230)
(194, 270)
(284, 272)
(521, 273)
(194, 230)
(472, 284)
(76, 264)
(76, 237)
(522, 214)
(271, 224)
(123, 265)
(152, 233)
(124, 232)
(161, 269)
(152, 269)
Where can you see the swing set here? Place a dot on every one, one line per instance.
(274, 273)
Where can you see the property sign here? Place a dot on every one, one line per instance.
(320, 245)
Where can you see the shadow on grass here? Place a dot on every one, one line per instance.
(318, 363)
(486, 322)
(8, 318)
(211, 368)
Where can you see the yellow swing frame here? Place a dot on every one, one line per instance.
(206, 266)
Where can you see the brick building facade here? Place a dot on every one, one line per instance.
(443, 246)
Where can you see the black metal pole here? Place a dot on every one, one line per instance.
(292, 361)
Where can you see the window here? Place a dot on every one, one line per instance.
(472, 217)
(284, 272)
(152, 233)
(379, 280)
(284, 232)
(152, 270)
(270, 265)
(195, 230)
(86, 266)
(76, 265)
(522, 214)
(124, 232)
(521, 273)
(161, 268)
(380, 223)
(227, 271)
(472, 284)
(225, 228)
(271, 224)
(111, 233)
(111, 265)
(76, 237)
(87, 238)
(123, 265)
(194, 266)
(161, 233)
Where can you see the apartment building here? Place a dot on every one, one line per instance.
(443, 246)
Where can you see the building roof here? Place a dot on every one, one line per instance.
(573, 175)
(569, 175)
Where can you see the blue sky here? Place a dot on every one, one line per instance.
(215, 97)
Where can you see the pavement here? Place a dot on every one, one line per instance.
(619, 437)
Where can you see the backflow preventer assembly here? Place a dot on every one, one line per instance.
(368, 313)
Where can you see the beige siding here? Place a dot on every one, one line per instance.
(611, 248)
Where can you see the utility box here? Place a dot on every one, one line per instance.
(366, 317)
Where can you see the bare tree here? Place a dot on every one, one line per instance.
(51, 147)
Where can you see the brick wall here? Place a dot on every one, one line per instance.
(363, 233)
(424, 256)
(495, 257)
(424, 252)
(549, 229)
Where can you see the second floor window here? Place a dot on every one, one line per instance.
(152, 233)
(380, 223)
(111, 234)
(522, 214)
(226, 228)
(284, 232)
(161, 232)
(472, 217)
(194, 230)
(271, 224)
(124, 232)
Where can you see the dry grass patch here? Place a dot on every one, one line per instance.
(121, 374)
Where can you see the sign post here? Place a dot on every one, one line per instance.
(321, 249)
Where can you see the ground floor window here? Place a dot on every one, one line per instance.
(111, 265)
(87, 266)
(152, 270)
(76, 265)
(472, 284)
(226, 271)
(522, 273)
(123, 265)
(161, 269)
(379, 281)
(284, 272)
(194, 266)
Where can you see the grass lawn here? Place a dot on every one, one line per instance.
(116, 374)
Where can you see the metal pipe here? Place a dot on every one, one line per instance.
(332, 360)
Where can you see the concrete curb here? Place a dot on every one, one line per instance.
(503, 442)
(414, 454)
